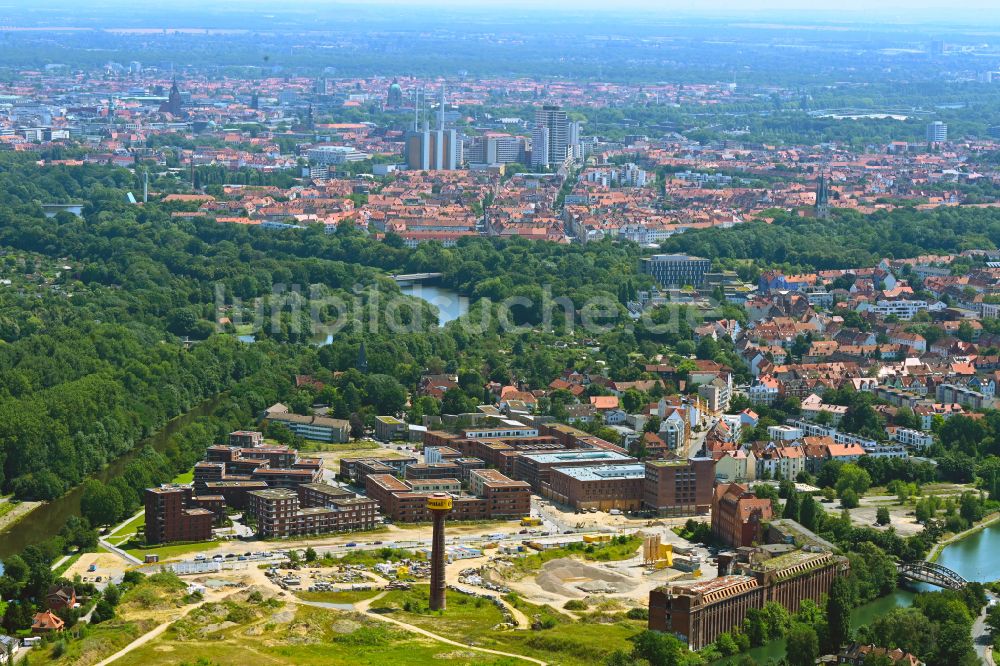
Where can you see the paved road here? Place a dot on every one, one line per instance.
(58, 563)
(130, 559)
(982, 639)
(117, 528)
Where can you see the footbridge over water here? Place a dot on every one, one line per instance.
(413, 278)
(932, 574)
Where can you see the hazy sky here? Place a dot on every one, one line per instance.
(925, 9)
(984, 14)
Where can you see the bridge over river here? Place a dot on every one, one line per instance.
(412, 278)
(932, 574)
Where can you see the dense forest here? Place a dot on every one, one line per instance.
(94, 357)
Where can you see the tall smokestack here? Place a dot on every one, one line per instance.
(441, 110)
(440, 506)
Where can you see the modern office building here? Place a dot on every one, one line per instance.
(602, 487)
(355, 469)
(679, 487)
(246, 439)
(326, 155)
(963, 395)
(553, 137)
(406, 501)
(937, 132)
(495, 149)
(536, 468)
(438, 470)
(389, 428)
(321, 494)
(505, 497)
(677, 270)
(319, 428)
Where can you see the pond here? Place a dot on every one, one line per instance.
(450, 304)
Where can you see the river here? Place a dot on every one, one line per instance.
(449, 303)
(46, 520)
(974, 558)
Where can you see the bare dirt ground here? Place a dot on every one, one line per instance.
(108, 566)
(627, 581)
(568, 577)
(331, 459)
(901, 516)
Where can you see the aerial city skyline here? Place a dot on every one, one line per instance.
(428, 332)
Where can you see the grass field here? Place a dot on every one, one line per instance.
(314, 446)
(184, 477)
(139, 550)
(302, 636)
(610, 551)
(471, 620)
(467, 619)
(62, 568)
(128, 530)
(90, 644)
(342, 597)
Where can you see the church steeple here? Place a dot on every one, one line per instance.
(174, 104)
(822, 198)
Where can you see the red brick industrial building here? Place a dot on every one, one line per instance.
(738, 515)
(700, 611)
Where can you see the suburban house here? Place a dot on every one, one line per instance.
(60, 596)
(47, 622)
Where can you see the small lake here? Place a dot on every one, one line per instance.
(450, 304)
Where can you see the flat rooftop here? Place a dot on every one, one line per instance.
(576, 455)
(418, 484)
(275, 493)
(673, 257)
(604, 472)
(786, 560)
